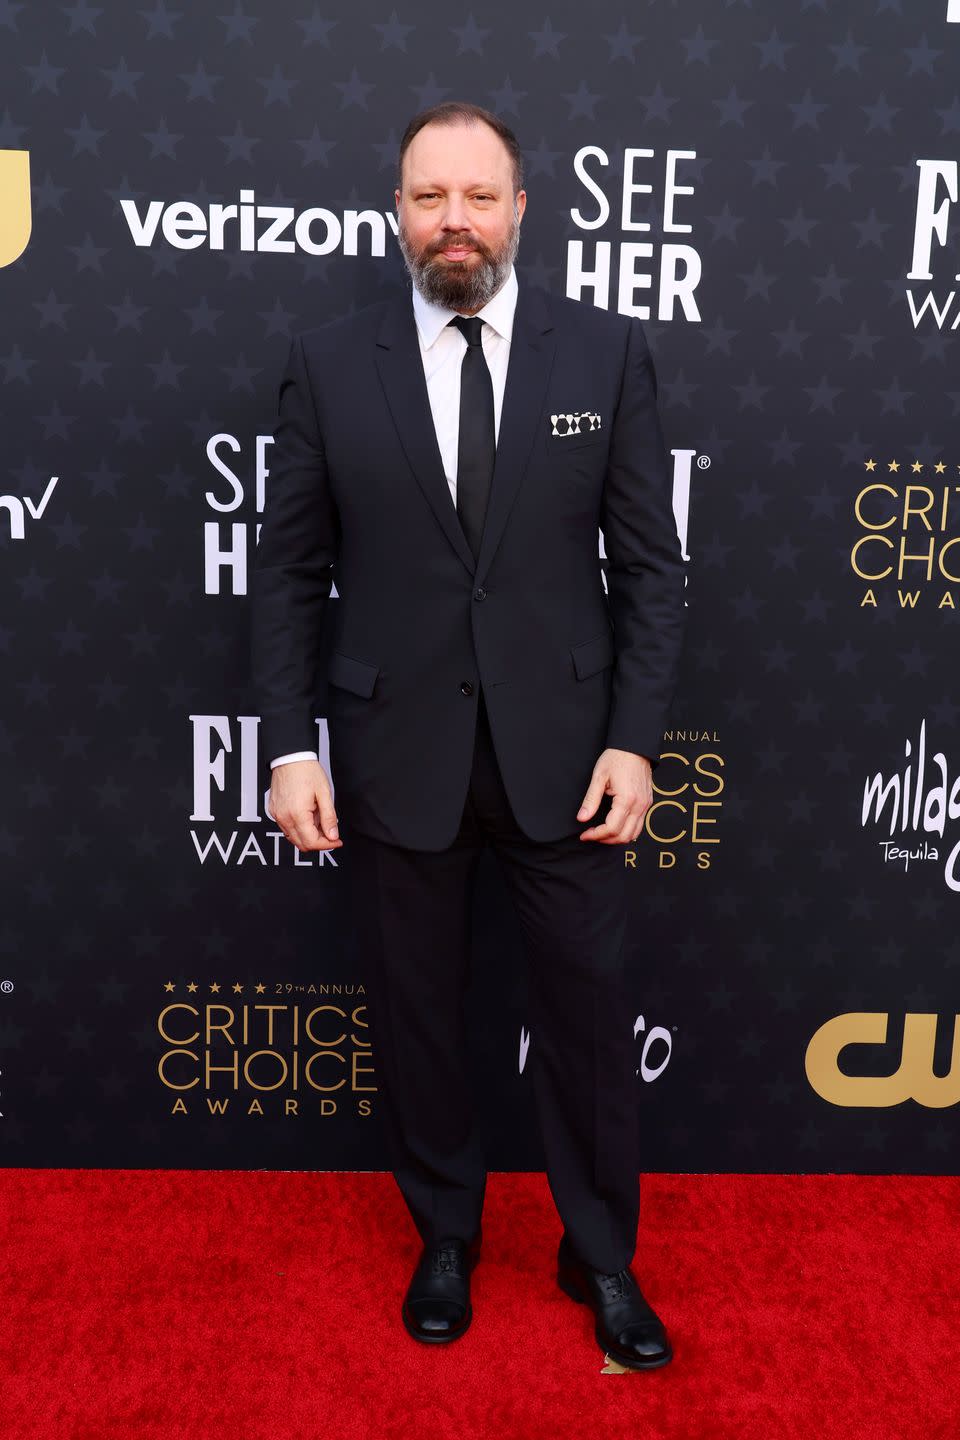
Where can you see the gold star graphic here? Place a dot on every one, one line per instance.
(916, 467)
(260, 989)
(214, 988)
(169, 986)
(894, 466)
(939, 467)
(238, 988)
(871, 465)
(192, 988)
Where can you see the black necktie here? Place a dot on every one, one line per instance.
(477, 445)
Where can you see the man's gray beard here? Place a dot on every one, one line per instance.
(457, 285)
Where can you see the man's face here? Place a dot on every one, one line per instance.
(459, 219)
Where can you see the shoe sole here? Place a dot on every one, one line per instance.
(569, 1288)
(437, 1339)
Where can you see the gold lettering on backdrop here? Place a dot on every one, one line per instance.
(907, 536)
(266, 1051)
(16, 218)
(687, 803)
(913, 1079)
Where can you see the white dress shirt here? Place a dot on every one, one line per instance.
(442, 349)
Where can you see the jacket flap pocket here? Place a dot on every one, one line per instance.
(354, 675)
(593, 655)
(560, 445)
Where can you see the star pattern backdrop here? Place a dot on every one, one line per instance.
(774, 190)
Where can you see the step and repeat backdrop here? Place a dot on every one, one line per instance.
(774, 191)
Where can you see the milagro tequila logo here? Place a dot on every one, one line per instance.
(914, 804)
(226, 795)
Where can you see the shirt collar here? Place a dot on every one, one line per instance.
(498, 313)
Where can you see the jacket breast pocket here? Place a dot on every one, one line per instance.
(357, 676)
(557, 446)
(593, 655)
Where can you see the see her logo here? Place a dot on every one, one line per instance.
(15, 218)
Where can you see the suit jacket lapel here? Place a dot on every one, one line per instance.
(401, 374)
(532, 348)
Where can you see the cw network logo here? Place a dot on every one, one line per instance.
(913, 1078)
(16, 216)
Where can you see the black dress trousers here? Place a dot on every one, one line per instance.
(411, 910)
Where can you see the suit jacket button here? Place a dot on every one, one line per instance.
(466, 688)
(480, 593)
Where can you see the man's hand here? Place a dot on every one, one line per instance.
(301, 802)
(629, 779)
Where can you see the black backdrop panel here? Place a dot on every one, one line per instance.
(775, 190)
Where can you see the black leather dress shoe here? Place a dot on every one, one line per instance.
(437, 1307)
(627, 1327)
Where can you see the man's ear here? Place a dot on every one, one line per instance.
(396, 201)
(521, 203)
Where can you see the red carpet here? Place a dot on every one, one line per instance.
(239, 1306)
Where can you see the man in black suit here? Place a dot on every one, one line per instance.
(448, 458)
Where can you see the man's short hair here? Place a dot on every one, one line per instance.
(461, 112)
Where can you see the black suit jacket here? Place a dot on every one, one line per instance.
(357, 493)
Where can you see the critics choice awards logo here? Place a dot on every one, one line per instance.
(906, 547)
(684, 821)
(285, 1049)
